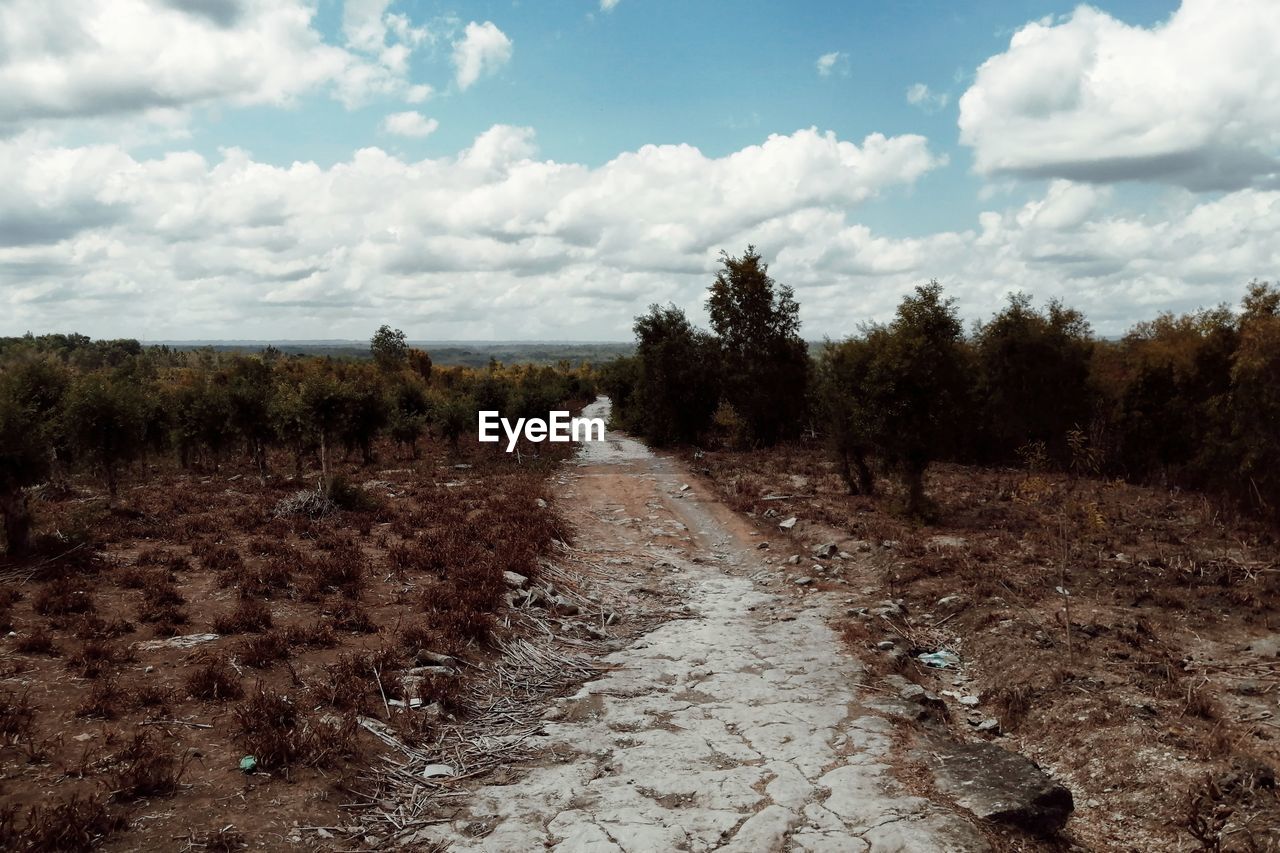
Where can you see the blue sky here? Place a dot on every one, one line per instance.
(274, 168)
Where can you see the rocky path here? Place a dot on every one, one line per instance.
(738, 725)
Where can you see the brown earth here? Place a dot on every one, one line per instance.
(1158, 706)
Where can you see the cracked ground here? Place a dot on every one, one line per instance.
(737, 725)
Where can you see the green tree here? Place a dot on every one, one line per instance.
(390, 352)
(916, 387)
(765, 361)
(250, 387)
(677, 387)
(25, 456)
(842, 371)
(1033, 377)
(1255, 400)
(105, 420)
(410, 413)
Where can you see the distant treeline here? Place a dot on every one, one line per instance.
(444, 355)
(71, 405)
(1190, 400)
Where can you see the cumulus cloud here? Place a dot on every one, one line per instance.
(490, 242)
(830, 63)
(64, 59)
(920, 95)
(483, 49)
(607, 5)
(1193, 101)
(410, 123)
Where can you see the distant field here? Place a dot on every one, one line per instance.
(455, 353)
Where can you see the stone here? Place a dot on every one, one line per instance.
(793, 560)
(787, 523)
(969, 700)
(952, 602)
(762, 546)
(515, 580)
(999, 785)
(885, 645)
(989, 724)
(947, 541)
(803, 581)
(825, 552)
(435, 771)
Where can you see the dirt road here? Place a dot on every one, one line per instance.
(737, 725)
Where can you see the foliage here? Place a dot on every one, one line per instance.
(766, 362)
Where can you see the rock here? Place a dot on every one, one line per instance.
(684, 487)
(803, 581)
(515, 580)
(952, 602)
(540, 503)
(989, 724)
(970, 701)
(770, 513)
(825, 552)
(1002, 786)
(912, 692)
(885, 645)
(564, 606)
(888, 608)
(793, 560)
(435, 771)
(889, 543)
(434, 658)
(762, 546)
(861, 546)
(787, 523)
(947, 542)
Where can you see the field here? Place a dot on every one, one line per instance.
(188, 665)
(1123, 637)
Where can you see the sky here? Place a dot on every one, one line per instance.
(312, 169)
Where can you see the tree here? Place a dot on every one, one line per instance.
(250, 388)
(290, 424)
(1033, 377)
(106, 423)
(390, 352)
(1255, 399)
(410, 412)
(841, 374)
(914, 391)
(324, 407)
(25, 457)
(364, 414)
(765, 360)
(676, 389)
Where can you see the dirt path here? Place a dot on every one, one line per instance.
(735, 726)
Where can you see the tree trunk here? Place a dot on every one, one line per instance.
(324, 462)
(866, 479)
(846, 472)
(17, 522)
(915, 490)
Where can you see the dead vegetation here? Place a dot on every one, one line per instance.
(1123, 636)
(318, 621)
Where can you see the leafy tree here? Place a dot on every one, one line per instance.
(364, 414)
(676, 384)
(455, 416)
(106, 424)
(250, 387)
(25, 457)
(410, 412)
(1255, 378)
(291, 425)
(841, 373)
(765, 360)
(916, 385)
(390, 352)
(1033, 377)
(324, 409)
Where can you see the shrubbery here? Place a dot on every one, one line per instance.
(69, 404)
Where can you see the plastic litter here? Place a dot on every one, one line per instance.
(249, 763)
(940, 659)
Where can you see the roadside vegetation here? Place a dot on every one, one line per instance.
(1084, 529)
(219, 564)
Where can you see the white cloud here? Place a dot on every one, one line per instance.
(483, 49)
(418, 94)
(1194, 101)
(492, 242)
(607, 5)
(829, 63)
(413, 124)
(920, 95)
(76, 59)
